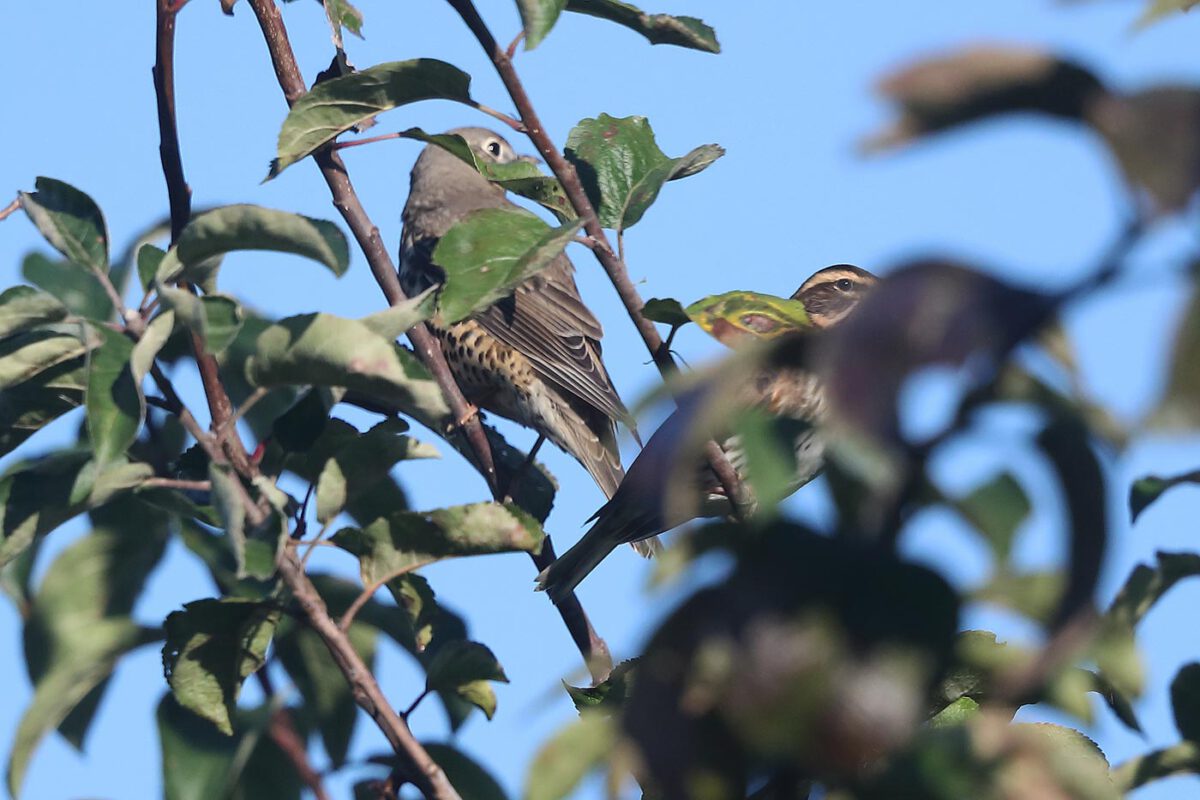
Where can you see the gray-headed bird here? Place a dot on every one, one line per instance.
(636, 511)
(532, 357)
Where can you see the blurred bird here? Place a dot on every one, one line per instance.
(636, 511)
(533, 357)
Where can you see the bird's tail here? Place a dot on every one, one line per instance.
(560, 578)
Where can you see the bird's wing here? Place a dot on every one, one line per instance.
(546, 321)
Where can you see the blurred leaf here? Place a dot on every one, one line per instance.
(396, 320)
(149, 259)
(23, 307)
(1146, 585)
(115, 405)
(246, 227)
(465, 774)
(323, 350)
(490, 252)
(622, 167)
(335, 106)
(26, 354)
(956, 713)
(519, 177)
(328, 699)
(215, 318)
(733, 317)
(212, 646)
(996, 508)
(608, 696)
(1147, 489)
(37, 497)
(1157, 9)
(668, 311)
(406, 540)
(564, 761)
(70, 220)
(657, 28)
(465, 668)
(1180, 759)
(363, 462)
(73, 285)
(1116, 700)
(1033, 594)
(537, 18)
(1177, 408)
(199, 763)
(34, 403)
(769, 445)
(1185, 701)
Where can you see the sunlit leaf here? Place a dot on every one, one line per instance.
(73, 284)
(623, 169)
(26, 354)
(70, 220)
(734, 317)
(335, 106)
(609, 695)
(563, 762)
(395, 320)
(491, 252)
(212, 646)
(23, 307)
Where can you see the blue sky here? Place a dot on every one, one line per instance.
(1033, 200)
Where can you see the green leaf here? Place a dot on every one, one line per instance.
(335, 106)
(406, 540)
(565, 760)
(736, 317)
(246, 227)
(623, 169)
(1179, 759)
(1185, 701)
(31, 405)
(608, 696)
(537, 18)
(36, 498)
(1157, 9)
(215, 318)
(464, 668)
(212, 646)
(70, 220)
(491, 252)
(956, 713)
(344, 15)
(465, 774)
(23, 307)
(996, 508)
(228, 502)
(362, 463)
(63, 688)
(657, 28)
(668, 311)
(1034, 594)
(73, 284)
(26, 354)
(396, 320)
(324, 350)
(115, 406)
(1146, 585)
(328, 699)
(1147, 489)
(149, 259)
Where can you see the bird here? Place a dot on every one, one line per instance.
(533, 357)
(635, 512)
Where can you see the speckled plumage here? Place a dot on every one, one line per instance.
(636, 511)
(533, 357)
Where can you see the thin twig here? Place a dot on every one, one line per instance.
(612, 264)
(282, 730)
(508, 120)
(511, 51)
(177, 483)
(345, 199)
(427, 775)
(413, 705)
(8, 210)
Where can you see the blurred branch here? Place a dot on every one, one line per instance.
(609, 260)
(7, 211)
(282, 730)
(345, 199)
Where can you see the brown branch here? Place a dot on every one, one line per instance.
(610, 261)
(345, 199)
(426, 774)
(8, 210)
(282, 730)
(176, 483)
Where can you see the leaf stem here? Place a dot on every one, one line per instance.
(8, 210)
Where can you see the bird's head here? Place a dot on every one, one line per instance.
(833, 292)
(489, 146)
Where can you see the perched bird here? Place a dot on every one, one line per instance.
(533, 357)
(636, 511)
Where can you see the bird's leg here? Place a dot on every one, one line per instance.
(515, 481)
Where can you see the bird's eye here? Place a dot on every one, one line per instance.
(844, 284)
(493, 147)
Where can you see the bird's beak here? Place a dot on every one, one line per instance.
(530, 160)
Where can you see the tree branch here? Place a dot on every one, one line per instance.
(345, 199)
(282, 730)
(612, 264)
